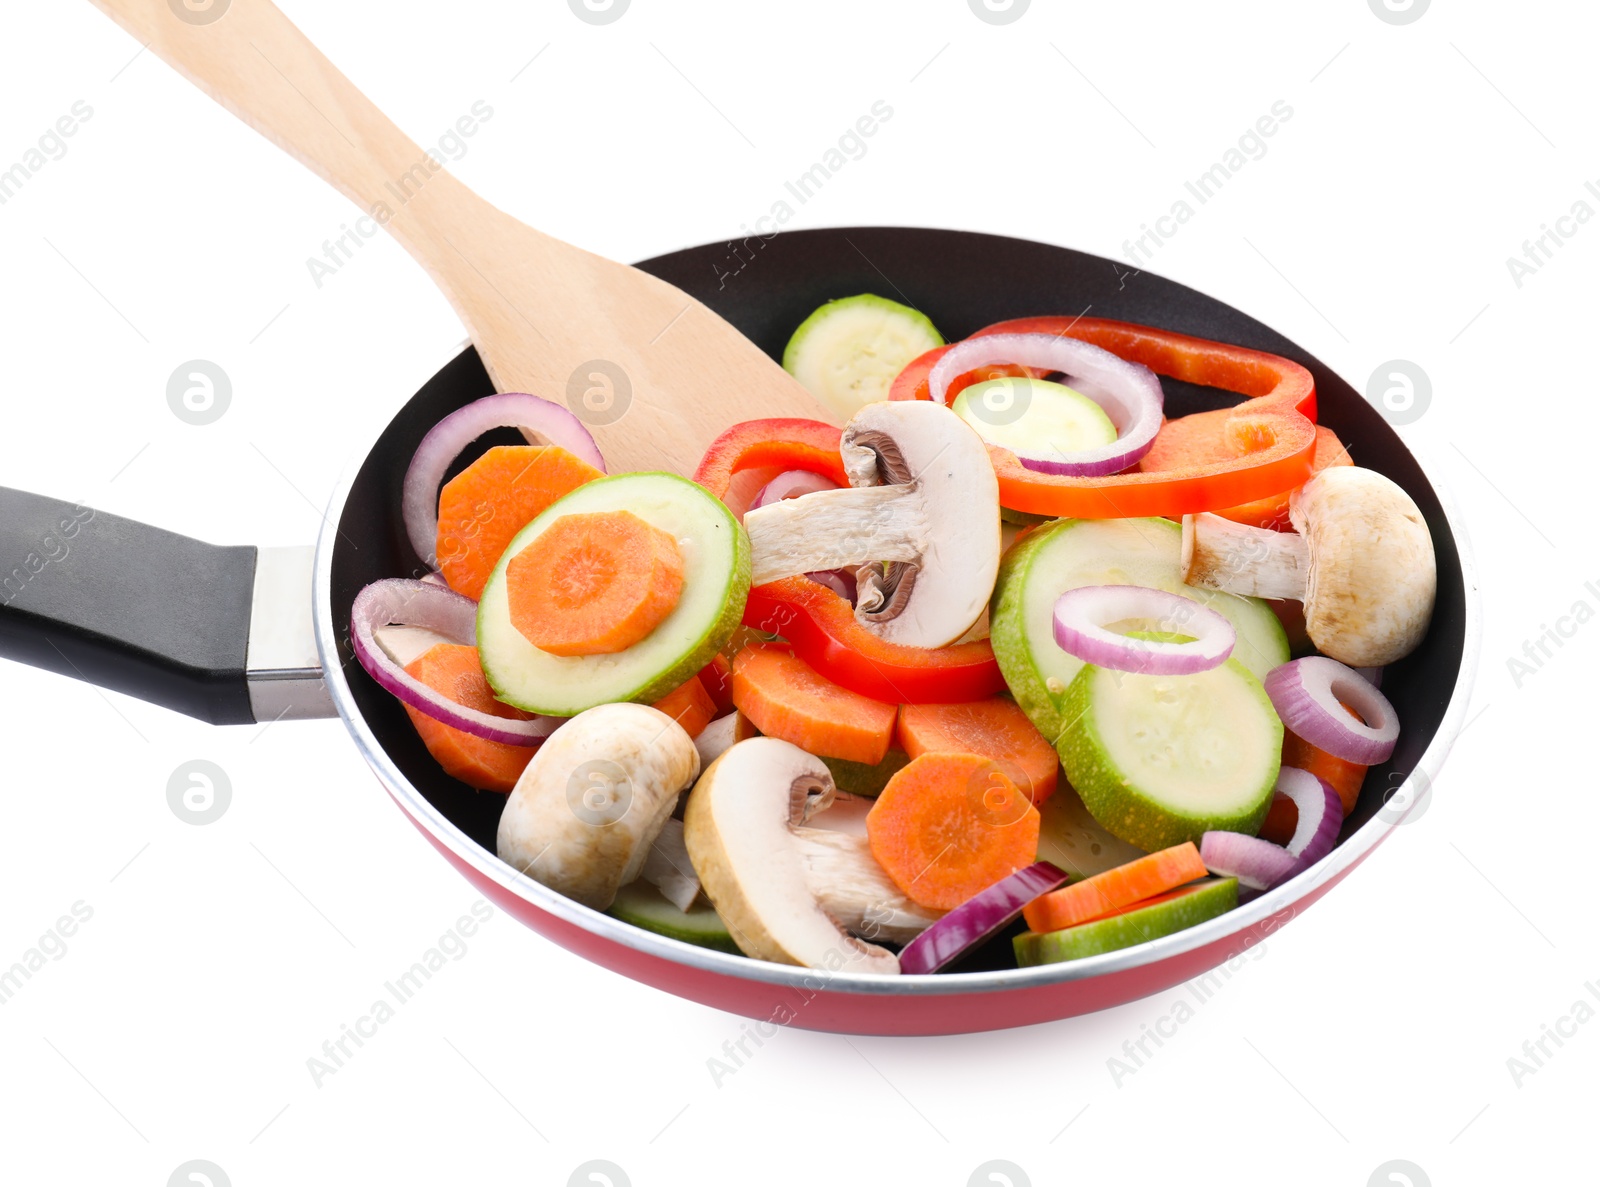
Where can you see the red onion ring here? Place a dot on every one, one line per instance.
(1258, 864)
(1129, 393)
(401, 601)
(791, 484)
(841, 581)
(975, 920)
(1310, 696)
(1080, 630)
(1321, 813)
(537, 418)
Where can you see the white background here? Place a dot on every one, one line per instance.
(1377, 226)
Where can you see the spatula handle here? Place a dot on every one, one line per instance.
(253, 61)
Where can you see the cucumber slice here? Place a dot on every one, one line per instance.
(1022, 519)
(716, 581)
(641, 904)
(1165, 916)
(1074, 840)
(848, 352)
(1160, 760)
(865, 779)
(1069, 553)
(1028, 415)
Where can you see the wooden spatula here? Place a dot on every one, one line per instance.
(538, 309)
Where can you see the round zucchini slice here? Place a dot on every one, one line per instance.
(716, 581)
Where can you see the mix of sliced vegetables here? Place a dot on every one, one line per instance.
(1008, 646)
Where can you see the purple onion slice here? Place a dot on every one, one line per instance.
(1310, 696)
(1082, 629)
(1129, 394)
(401, 601)
(979, 918)
(1321, 814)
(1258, 864)
(791, 484)
(537, 418)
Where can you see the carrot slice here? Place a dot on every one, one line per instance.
(786, 699)
(493, 499)
(995, 728)
(454, 671)
(689, 705)
(948, 825)
(717, 679)
(594, 584)
(1116, 889)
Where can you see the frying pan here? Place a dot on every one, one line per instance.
(263, 635)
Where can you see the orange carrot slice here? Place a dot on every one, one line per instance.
(1107, 893)
(689, 705)
(493, 499)
(785, 698)
(594, 584)
(453, 670)
(995, 728)
(948, 825)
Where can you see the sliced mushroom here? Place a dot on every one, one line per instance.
(1360, 558)
(583, 816)
(721, 734)
(920, 522)
(855, 891)
(741, 830)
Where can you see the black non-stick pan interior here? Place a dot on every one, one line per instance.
(963, 281)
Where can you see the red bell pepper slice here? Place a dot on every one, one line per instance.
(822, 629)
(1272, 434)
(763, 449)
(821, 626)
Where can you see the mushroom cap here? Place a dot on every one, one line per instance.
(932, 601)
(740, 831)
(1372, 582)
(586, 809)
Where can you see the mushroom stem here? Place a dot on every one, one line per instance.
(854, 890)
(1237, 558)
(836, 529)
(920, 524)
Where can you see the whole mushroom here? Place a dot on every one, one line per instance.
(920, 523)
(584, 815)
(1360, 559)
(744, 828)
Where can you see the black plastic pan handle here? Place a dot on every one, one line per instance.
(222, 633)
